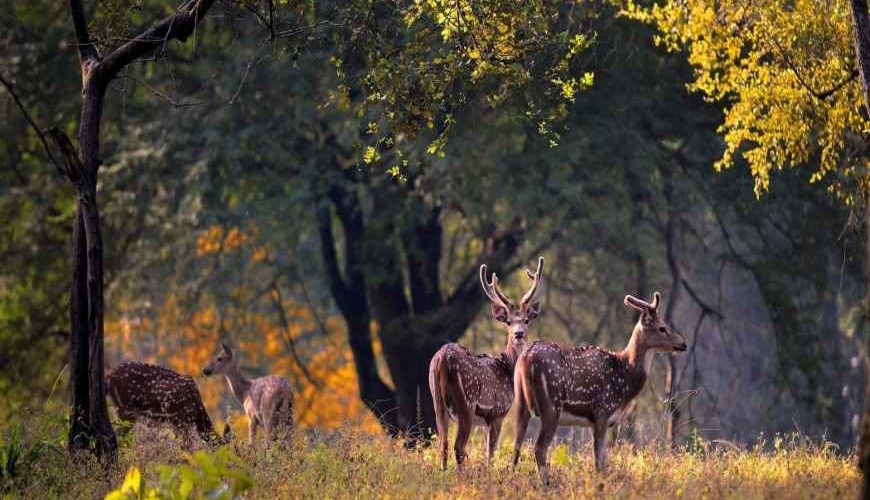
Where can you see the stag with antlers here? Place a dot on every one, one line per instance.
(587, 386)
(478, 390)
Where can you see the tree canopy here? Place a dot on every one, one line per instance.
(787, 76)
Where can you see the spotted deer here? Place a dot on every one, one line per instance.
(478, 390)
(144, 391)
(268, 401)
(587, 386)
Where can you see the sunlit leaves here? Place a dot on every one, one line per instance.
(415, 66)
(218, 474)
(785, 72)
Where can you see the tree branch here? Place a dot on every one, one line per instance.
(330, 258)
(278, 301)
(86, 48)
(178, 27)
(72, 166)
(32, 123)
(803, 83)
(705, 307)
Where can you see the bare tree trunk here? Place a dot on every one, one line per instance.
(861, 31)
(80, 419)
(90, 427)
(348, 289)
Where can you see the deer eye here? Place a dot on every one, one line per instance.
(662, 329)
(220, 358)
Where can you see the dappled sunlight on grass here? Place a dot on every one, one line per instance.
(352, 464)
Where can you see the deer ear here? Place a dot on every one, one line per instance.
(499, 313)
(534, 310)
(634, 302)
(657, 297)
(226, 348)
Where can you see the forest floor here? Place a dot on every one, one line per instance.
(346, 465)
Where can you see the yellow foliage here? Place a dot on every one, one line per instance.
(785, 72)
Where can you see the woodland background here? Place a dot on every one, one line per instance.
(254, 189)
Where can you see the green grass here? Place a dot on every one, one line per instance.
(350, 465)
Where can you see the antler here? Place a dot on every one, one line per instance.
(490, 288)
(637, 303)
(536, 282)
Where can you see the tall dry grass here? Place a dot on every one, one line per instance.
(349, 464)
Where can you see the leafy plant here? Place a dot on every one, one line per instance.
(215, 475)
(17, 455)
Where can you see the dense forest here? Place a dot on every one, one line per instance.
(318, 183)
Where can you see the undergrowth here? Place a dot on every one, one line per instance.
(347, 464)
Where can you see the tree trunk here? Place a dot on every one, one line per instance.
(864, 439)
(408, 350)
(89, 418)
(375, 394)
(79, 431)
(349, 292)
(90, 425)
(861, 31)
(105, 442)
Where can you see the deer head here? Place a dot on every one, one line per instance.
(225, 362)
(516, 318)
(651, 331)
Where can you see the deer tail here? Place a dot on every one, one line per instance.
(438, 369)
(523, 391)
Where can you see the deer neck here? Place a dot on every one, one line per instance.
(239, 384)
(637, 354)
(512, 353)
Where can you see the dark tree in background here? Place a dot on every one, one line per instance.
(369, 284)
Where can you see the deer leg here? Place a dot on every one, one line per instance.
(268, 421)
(443, 429)
(269, 431)
(442, 423)
(600, 435)
(462, 435)
(494, 430)
(252, 429)
(523, 417)
(549, 424)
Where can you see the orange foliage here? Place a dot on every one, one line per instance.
(216, 239)
(185, 340)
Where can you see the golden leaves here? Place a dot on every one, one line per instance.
(785, 74)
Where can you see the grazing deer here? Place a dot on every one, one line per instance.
(478, 390)
(588, 385)
(145, 391)
(268, 401)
